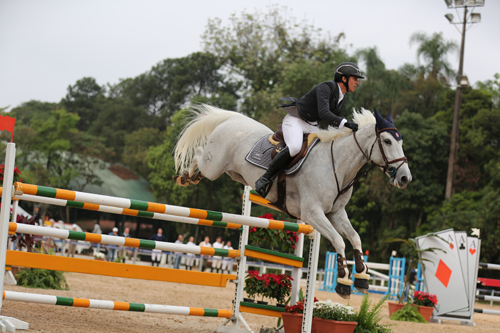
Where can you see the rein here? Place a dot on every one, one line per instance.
(386, 168)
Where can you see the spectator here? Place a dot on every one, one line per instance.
(37, 216)
(97, 230)
(190, 256)
(156, 254)
(204, 259)
(227, 262)
(112, 248)
(178, 255)
(72, 244)
(123, 253)
(217, 260)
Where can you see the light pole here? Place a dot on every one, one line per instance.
(461, 80)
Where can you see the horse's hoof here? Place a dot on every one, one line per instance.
(343, 291)
(361, 282)
(195, 178)
(181, 181)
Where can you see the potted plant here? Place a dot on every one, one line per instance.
(412, 251)
(99, 256)
(334, 317)
(279, 287)
(425, 304)
(257, 285)
(292, 318)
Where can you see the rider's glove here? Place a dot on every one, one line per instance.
(352, 126)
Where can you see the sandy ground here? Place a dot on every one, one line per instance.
(48, 318)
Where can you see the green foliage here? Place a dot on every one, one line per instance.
(408, 313)
(136, 149)
(41, 278)
(434, 50)
(369, 317)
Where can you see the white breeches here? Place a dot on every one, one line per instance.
(226, 264)
(190, 261)
(293, 128)
(216, 263)
(156, 255)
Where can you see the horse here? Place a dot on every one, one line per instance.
(216, 141)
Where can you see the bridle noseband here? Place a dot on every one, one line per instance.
(392, 171)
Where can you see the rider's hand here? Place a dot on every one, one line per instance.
(352, 126)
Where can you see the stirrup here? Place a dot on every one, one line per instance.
(267, 189)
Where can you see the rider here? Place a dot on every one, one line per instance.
(323, 102)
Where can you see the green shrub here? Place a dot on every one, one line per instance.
(368, 318)
(41, 278)
(408, 313)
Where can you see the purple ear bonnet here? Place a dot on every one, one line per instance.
(383, 124)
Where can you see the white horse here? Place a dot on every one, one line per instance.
(216, 141)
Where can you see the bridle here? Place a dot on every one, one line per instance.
(391, 170)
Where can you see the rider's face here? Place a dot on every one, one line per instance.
(353, 83)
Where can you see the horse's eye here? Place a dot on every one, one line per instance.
(387, 142)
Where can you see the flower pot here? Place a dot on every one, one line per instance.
(248, 300)
(292, 322)
(333, 326)
(280, 305)
(99, 259)
(393, 307)
(426, 312)
(262, 302)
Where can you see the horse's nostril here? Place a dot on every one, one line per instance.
(404, 179)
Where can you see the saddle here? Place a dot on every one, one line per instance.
(278, 142)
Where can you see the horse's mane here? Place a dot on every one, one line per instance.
(362, 118)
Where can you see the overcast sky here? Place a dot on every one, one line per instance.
(46, 45)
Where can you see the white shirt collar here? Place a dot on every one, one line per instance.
(341, 94)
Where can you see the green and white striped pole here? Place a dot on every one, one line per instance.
(110, 305)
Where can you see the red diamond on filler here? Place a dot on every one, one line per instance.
(443, 273)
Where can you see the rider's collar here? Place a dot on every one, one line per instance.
(387, 125)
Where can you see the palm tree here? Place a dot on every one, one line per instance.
(434, 50)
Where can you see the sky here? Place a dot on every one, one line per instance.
(47, 45)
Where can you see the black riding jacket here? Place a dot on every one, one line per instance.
(321, 103)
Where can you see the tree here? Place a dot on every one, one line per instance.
(82, 99)
(434, 49)
(136, 150)
(173, 82)
(28, 111)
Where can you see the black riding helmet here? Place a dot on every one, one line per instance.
(347, 69)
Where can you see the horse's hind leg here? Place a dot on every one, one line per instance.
(342, 224)
(325, 228)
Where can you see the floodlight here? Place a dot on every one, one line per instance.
(463, 81)
(459, 2)
(449, 17)
(479, 2)
(475, 17)
(448, 2)
(469, 2)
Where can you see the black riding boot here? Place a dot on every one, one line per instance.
(264, 183)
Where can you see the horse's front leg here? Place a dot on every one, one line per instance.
(342, 224)
(321, 223)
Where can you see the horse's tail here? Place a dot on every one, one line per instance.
(204, 121)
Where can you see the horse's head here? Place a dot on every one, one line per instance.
(390, 156)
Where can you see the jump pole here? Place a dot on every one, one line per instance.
(21, 188)
(123, 211)
(110, 305)
(121, 241)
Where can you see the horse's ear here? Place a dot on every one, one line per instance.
(389, 118)
(380, 120)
